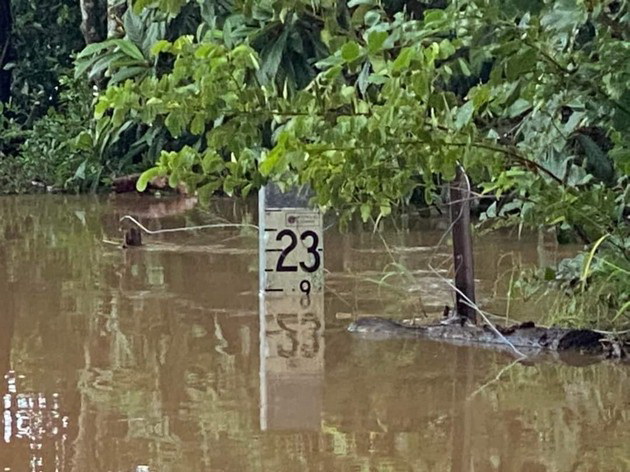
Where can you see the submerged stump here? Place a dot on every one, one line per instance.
(132, 237)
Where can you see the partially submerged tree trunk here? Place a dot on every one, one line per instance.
(462, 247)
(526, 340)
(6, 52)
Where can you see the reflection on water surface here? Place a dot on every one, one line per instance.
(148, 360)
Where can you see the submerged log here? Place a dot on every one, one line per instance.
(127, 184)
(526, 337)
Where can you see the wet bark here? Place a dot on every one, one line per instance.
(527, 337)
(6, 52)
(462, 247)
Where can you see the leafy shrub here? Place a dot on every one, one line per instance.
(47, 155)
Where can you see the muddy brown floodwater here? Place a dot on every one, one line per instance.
(148, 359)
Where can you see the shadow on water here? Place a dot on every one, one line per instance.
(148, 360)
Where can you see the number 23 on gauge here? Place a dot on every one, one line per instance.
(310, 240)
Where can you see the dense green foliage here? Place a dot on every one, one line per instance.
(45, 113)
(372, 101)
(48, 138)
(46, 34)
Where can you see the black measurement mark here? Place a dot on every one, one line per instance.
(280, 267)
(273, 250)
(271, 229)
(274, 290)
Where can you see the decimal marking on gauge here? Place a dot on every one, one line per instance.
(294, 251)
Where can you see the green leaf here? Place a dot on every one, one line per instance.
(94, 48)
(103, 64)
(84, 141)
(129, 49)
(375, 40)
(271, 56)
(372, 17)
(269, 163)
(333, 72)
(464, 67)
(621, 117)
(146, 177)
(101, 107)
(598, 163)
(161, 46)
(480, 95)
(356, 3)
(621, 157)
(521, 63)
(139, 5)
(175, 123)
(385, 210)
(433, 16)
(134, 27)
(446, 49)
(198, 124)
(403, 60)
(83, 65)
(80, 172)
(246, 190)
(362, 79)
(464, 114)
(347, 92)
(518, 107)
(127, 73)
(350, 51)
(229, 185)
(366, 212)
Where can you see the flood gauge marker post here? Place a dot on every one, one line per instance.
(291, 277)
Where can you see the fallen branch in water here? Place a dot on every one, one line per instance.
(528, 337)
(186, 228)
